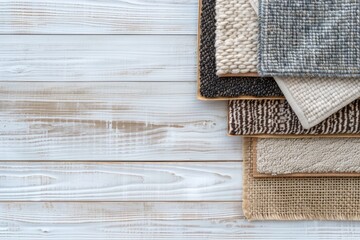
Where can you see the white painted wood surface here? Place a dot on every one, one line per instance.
(112, 121)
(141, 220)
(187, 181)
(117, 58)
(114, 80)
(157, 220)
(98, 16)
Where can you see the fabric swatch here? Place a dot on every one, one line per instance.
(278, 156)
(310, 198)
(275, 117)
(255, 6)
(309, 38)
(236, 37)
(210, 85)
(315, 99)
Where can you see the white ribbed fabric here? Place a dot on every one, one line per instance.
(236, 37)
(307, 155)
(315, 99)
(255, 5)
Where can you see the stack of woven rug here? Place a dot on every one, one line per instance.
(291, 70)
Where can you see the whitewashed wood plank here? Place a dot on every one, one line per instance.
(112, 181)
(309, 230)
(97, 58)
(98, 17)
(112, 121)
(88, 221)
(165, 220)
(67, 181)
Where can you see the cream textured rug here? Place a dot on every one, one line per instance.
(275, 117)
(236, 37)
(278, 156)
(315, 99)
(309, 38)
(310, 198)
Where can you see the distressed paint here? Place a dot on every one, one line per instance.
(159, 220)
(116, 58)
(98, 17)
(68, 181)
(112, 121)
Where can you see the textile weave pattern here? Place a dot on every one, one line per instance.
(309, 38)
(276, 156)
(236, 37)
(315, 99)
(310, 198)
(211, 86)
(275, 117)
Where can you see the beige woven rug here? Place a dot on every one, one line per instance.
(312, 198)
(306, 157)
(236, 37)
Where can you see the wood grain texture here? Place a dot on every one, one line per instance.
(205, 220)
(97, 58)
(98, 17)
(88, 221)
(112, 121)
(44, 181)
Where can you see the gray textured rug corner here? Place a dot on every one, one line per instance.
(309, 38)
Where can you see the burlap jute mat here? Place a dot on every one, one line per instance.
(313, 198)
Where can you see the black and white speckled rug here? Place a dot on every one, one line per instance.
(275, 117)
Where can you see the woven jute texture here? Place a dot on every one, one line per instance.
(312, 198)
(275, 117)
(236, 37)
(307, 156)
(315, 99)
(309, 38)
(211, 86)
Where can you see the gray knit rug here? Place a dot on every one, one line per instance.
(309, 38)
